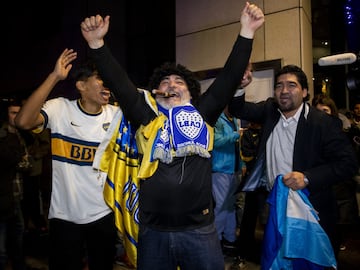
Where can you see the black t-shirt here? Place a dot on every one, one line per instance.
(177, 197)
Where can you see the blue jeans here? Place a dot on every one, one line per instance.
(197, 249)
(11, 240)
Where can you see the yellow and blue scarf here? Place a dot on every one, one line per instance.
(177, 132)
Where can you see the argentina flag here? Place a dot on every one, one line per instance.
(293, 238)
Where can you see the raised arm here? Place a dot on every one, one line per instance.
(94, 29)
(29, 116)
(252, 19)
(227, 81)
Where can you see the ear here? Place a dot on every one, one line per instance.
(80, 85)
(305, 92)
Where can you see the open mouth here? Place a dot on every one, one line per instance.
(105, 93)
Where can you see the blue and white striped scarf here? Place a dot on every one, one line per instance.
(184, 133)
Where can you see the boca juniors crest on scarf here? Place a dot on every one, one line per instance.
(184, 133)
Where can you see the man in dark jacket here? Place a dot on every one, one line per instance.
(11, 218)
(299, 142)
(175, 199)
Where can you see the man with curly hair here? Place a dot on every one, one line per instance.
(175, 136)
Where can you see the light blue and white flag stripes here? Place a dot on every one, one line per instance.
(293, 237)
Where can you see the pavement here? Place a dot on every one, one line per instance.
(349, 259)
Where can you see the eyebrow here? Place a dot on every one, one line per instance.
(177, 77)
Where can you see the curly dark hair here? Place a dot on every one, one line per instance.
(167, 69)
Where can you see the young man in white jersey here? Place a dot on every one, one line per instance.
(79, 219)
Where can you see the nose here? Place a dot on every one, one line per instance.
(284, 89)
(172, 84)
(248, 73)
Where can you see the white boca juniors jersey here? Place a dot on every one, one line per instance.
(77, 191)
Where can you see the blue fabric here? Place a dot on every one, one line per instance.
(196, 249)
(184, 131)
(226, 163)
(257, 177)
(188, 127)
(223, 154)
(293, 238)
(224, 188)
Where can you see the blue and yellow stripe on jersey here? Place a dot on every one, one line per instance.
(74, 151)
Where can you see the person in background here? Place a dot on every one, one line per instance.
(254, 210)
(249, 143)
(226, 176)
(12, 159)
(32, 204)
(354, 131)
(356, 114)
(175, 135)
(345, 191)
(79, 217)
(327, 104)
(296, 143)
(227, 169)
(45, 182)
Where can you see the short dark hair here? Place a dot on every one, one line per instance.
(84, 71)
(6, 104)
(298, 72)
(17, 102)
(176, 69)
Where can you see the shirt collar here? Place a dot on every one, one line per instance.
(296, 117)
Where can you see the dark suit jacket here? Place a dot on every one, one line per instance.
(321, 151)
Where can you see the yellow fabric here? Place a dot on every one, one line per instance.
(145, 137)
(211, 137)
(246, 159)
(150, 100)
(69, 150)
(121, 191)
